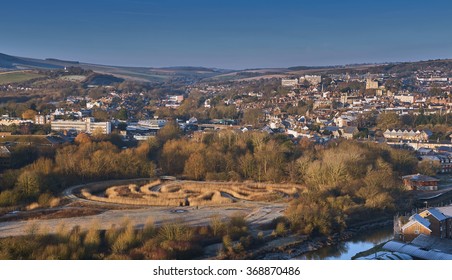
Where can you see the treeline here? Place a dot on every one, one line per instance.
(222, 156)
(439, 124)
(72, 164)
(393, 120)
(227, 155)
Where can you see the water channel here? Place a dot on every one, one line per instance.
(347, 249)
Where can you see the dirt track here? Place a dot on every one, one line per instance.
(256, 213)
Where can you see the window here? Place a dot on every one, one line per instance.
(416, 231)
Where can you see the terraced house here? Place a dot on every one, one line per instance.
(408, 135)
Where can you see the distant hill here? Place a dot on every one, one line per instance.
(146, 74)
(189, 74)
(62, 61)
(9, 62)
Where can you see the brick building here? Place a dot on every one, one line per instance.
(430, 222)
(419, 182)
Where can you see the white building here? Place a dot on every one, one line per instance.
(152, 124)
(90, 105)
(405, 98)
(7, 121)
(176, 98)
(289, 82)
(407, 135)
(312, 79)
(87, 125)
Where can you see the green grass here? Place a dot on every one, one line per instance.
(16, 77)
(36, 139)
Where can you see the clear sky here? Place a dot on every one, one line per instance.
(233, 34)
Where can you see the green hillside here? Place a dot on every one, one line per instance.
(17, 76)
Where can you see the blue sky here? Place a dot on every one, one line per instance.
(227, 34)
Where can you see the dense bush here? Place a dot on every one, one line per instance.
(170, 241)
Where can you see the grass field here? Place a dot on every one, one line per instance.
(17, 76)
(35, 139)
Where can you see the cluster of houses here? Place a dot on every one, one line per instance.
(332, 113)
(293, 82)
(425, 235)
(440, 157)
(339, 114)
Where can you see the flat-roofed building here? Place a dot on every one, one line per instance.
(289, 82)
(153, 124)
(87, 125)
(407, 98)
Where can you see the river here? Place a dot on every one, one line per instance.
(345, 250)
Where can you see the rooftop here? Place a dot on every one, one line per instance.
(446, 210)
(419, 177)
(4, 151)
(416, 251)
(416, 218)
(436, 213)
(433, 243)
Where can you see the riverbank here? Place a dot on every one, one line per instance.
(295, 246)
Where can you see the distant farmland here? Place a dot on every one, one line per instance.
(17, 76)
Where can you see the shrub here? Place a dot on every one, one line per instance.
(125, 240)
(92, 239)
(217, 226)
(176, 232)
(149, 231)
(44, 199)
(227, 242)
(280, 229)
(8, 198)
